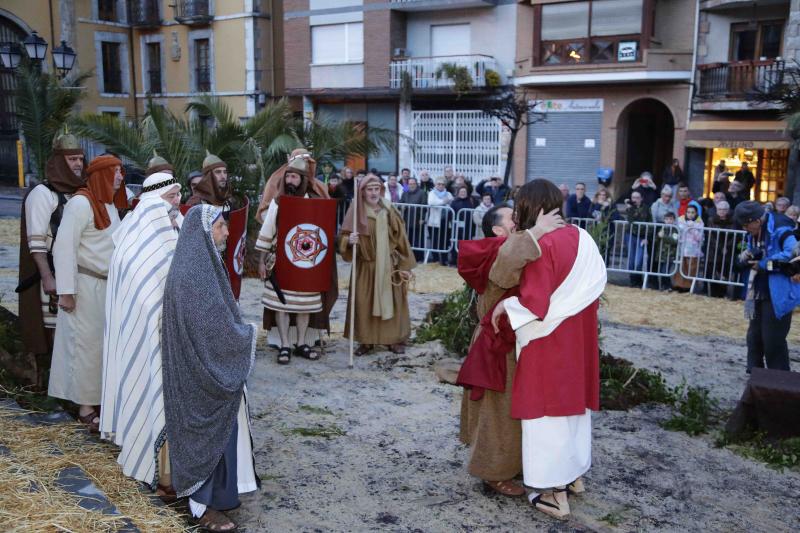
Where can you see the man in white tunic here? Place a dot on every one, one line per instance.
(133, 403)
(81, 255)
(296, 178)
(42, 209)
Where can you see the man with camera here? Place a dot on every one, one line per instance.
(773, 290)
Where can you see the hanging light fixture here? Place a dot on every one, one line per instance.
(64, 57)
(35, 46)
(10, 55)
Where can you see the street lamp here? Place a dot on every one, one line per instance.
(35, 46)
(64, 57)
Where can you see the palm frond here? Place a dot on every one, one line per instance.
(115, 135)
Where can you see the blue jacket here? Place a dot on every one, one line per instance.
(784, 293)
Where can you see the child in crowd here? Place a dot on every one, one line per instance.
(691, 246)
(666, 249)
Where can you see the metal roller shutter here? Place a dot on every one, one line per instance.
(565, 156)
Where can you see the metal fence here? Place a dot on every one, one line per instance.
(647, 250)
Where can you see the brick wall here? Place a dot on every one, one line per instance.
(296, 46)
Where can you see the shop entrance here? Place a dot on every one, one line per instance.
(645, 135)
(769, 167)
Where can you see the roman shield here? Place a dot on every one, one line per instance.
(237, 244)
(306, 244)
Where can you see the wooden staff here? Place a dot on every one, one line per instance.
(353, 279)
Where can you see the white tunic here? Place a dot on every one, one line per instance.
(40, 204)
(81, 255)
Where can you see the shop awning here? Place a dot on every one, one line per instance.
(757, 134)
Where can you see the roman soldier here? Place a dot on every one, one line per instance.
(42, 208)
(158, 164)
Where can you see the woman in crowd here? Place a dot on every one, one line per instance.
(721, 247)
(663, 205)
(439, 220)
(601, 205)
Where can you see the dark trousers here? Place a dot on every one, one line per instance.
(766, 338)
(221, 490)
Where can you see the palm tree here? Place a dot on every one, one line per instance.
(44, 103)
(253, 149)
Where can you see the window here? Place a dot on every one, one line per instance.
(107, 10)
(450, 40)
(112, 73)
(337, 43)
(752, 41)
(154, 68)
(592, 31)
(113, 114)
(203, 65)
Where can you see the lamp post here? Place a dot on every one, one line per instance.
(36, 49)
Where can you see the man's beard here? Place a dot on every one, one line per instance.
(291, 189)
(77, 172)
(173, 212)
(221, 246)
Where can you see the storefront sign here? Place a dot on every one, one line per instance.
(736, 144)
(580, 105)
(627, 51)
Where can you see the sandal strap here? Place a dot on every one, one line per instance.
(538, 500)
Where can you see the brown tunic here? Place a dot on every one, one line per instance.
(372, 329)
(486, 424)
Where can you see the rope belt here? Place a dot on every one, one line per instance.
(86, 271)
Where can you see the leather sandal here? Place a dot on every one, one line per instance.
(88, 421)
(284, 355)
(306, 352)
(505, 488)
(364, 349)
(215, 521)
(553, 509)
(576, 487)
(397, 348)
(166, 493)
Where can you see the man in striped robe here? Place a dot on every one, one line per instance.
(133, 403)
(295, 178)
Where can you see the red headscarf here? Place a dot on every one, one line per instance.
(99, 189)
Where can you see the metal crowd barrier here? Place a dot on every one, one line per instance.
(464, 227)
(721, 248)
(429, 228)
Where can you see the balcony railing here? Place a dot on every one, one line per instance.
(734, 81)
(193, 12)
(427, 72)
(430, 5)
(145, 14)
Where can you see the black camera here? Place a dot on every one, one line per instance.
(757, 254)
(784, 267)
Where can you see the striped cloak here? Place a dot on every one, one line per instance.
(133, 402)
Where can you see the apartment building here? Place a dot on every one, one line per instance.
(743, 48)
(385, 62)
(167, 51)
(614, 79)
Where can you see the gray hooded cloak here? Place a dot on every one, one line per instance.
(208, 353)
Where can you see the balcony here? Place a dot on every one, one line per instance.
(722, 85)
(193, 12)
(433, 5)
(426, 72)
(144, 14)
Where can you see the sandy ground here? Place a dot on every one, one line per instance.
(376, 448)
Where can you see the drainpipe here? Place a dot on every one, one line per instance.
(132, 71)
(52, 27)
(694, 63)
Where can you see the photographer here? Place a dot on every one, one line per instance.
(771, 294)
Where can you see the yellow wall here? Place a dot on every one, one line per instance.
(228, 42)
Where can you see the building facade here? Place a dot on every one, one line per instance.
(743, 49)
(391, 64)
(164, 51)
(613, 79)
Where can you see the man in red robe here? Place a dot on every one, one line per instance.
(557, 379)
